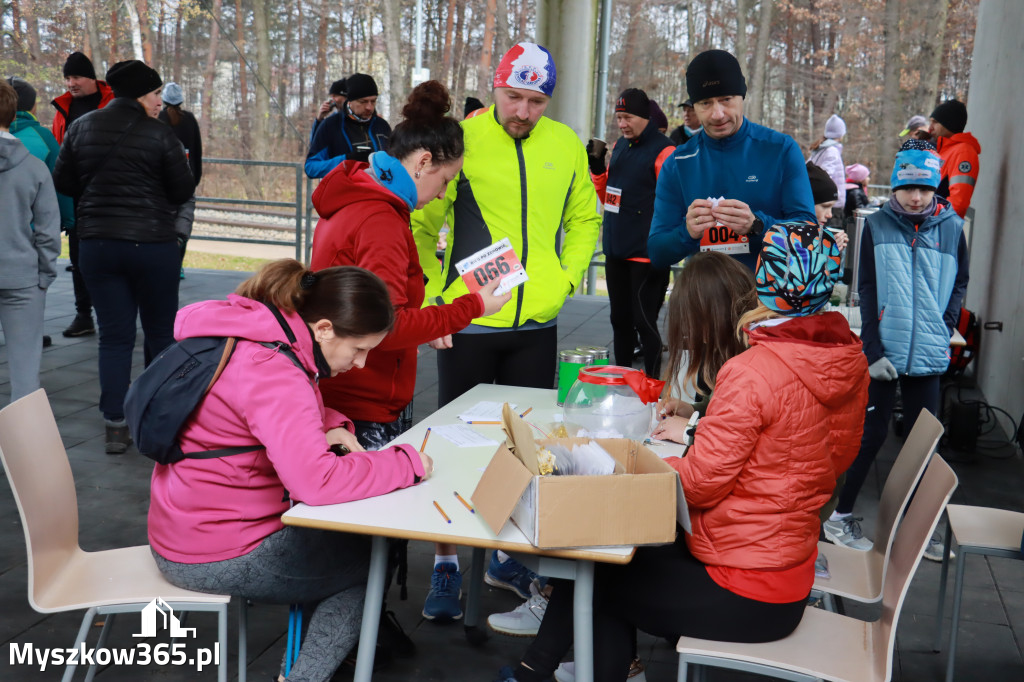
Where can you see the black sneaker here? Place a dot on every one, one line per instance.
(80, 326)
(47, 341)
(118, 438)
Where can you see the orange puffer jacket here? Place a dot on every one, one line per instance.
(785, 420)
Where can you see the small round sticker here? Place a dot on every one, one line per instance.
(964, 167)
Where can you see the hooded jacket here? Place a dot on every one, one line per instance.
(365, 224)
(784, 422)
(42, 145)
(138, 186)
(204, 510)
(62, 103)
(30, 240)
(828, 156)
(960, 166)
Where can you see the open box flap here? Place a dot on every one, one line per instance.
(520, 439)
(500, 487)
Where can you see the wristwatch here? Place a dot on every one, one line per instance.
(756, 228)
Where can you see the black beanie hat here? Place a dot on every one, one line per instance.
(78, 64)
(26, 93)
(359, 85)
(472, 104)
(634, 101)
(823, 188)
(132, 78)
(714, 73)
(338, 87)
(952, 114)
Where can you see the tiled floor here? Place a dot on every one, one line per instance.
(113, 498)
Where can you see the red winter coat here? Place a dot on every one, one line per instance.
(62, 103)
(365, 224)
(785, 420)
(960, 167)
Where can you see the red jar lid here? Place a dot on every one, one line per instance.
(608, 375)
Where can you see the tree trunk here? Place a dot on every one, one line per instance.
(392, 13)
(29, 13)
(302, 56)
(484, 68)
(629, 49)
(113, 37)
(319, 84)
(136, 28)
(147, 42)
(458, 58)
(501, 29)
(261, 127)
(931, 54)
(178, 20)
(758, 84)
(448, 48)
(210, 71)
(891, 107)
(93, 34)
(691, 32)
(741, 35)
(244, 119)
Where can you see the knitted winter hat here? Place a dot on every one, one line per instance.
(77, 64)
(952, 114)
(823, 187)
(529, 66)
(472, 104)
(856, 174)
(797, 268)
(914, 143)
(26, 93)
(634, 101)
(835, 127)
(172, 94)
(714, 73)
(916, 167)
(338, 87)
(132, 78)
(658, 116)
(360, 85)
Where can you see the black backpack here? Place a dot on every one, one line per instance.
(960, 357)
(161, 400)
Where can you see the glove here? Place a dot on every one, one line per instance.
(595, 160)
(882, 370)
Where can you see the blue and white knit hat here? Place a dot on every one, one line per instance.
(916, 167)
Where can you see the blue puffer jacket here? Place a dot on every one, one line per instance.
(911, 285)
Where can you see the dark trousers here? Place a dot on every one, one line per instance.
(129, 280)
(918, 393)
(636, 292)
(513, 358)
(83, 303)
(665, 592)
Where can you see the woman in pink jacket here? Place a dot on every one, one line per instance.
(784, 422)
(215, 524)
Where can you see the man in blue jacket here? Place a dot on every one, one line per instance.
(354, 133)
(724, 186)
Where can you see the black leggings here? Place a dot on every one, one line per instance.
(918, 392)
(665, 592)
(636, 292)
(513, 358)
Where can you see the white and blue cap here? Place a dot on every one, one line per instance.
(172, 94)
(528, 66)
(916, 167)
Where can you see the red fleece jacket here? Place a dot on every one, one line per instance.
(362, 223)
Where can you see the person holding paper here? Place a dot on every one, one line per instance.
(784, 422)
(730, 182)
(364, 209)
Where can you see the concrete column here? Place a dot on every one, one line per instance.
(996, 290)
(568, 29)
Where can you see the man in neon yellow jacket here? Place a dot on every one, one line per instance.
(524, 177)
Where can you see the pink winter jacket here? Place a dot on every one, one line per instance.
(204, 510)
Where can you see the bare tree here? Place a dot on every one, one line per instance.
(891, 107)
(757, 86)
(209, 72)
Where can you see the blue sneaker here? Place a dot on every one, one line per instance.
(512, 576)
(442, 603)
(506, 674)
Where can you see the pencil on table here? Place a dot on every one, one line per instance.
(482, 422)
(527, 412)
(464, 503)
(442, 512)
(424, 446)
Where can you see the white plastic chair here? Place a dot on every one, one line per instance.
(976, 530)
(61, 576)
(859, 575)
(830, 646)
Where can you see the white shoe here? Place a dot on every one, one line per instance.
(933, 550)
(566, 672)
(522, 621)
(846, 531)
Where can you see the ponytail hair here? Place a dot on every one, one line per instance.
(426, 126)
(355, 300)
(173, 113)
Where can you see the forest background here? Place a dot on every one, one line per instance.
(254, 72)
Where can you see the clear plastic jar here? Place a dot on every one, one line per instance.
(604, 404)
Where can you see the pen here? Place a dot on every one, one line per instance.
(442, 511)
(482, 422)
(464, 503)
(527, 412)
(424, 446)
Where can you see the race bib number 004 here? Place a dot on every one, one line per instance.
(498, 260)
(723, 240)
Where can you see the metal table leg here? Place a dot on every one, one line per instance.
(583, 621)
(475, 635)
(371, 610)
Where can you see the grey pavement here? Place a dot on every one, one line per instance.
(113, 493)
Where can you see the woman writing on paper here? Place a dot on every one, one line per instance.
(215, 524)
(364, 209)
(784, 422)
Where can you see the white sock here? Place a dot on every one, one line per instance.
(446, 559)
(836, 516)
(502, 557)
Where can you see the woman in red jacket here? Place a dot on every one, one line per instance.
(364, 209)
(784, 422)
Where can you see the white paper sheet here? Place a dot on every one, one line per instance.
(462, 436)
(485, 410)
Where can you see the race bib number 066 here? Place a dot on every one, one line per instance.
(498, 260)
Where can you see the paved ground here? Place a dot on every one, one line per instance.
(113, 497)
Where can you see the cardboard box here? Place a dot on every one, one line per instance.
(637, 505)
